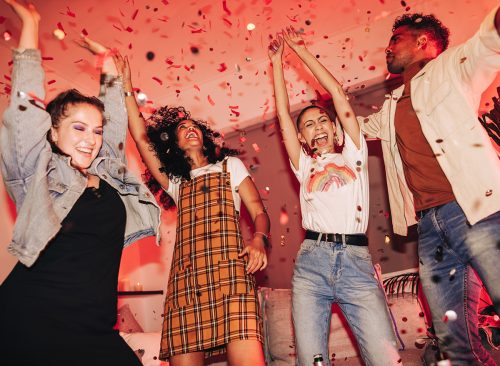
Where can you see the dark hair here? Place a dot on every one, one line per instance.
(161, 131)
(58, 108)
(429, 24)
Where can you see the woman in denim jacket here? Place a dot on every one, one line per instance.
(77, 205)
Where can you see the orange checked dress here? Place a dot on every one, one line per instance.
(210, 301)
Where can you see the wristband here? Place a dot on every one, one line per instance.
(129, 93)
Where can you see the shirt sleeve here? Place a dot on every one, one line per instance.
(237, 169)
(173, 190)
(353, 155)
(304, 162)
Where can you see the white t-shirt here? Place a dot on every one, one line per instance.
(334, 190)
(235, 167)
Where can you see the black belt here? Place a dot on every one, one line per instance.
(349, 239)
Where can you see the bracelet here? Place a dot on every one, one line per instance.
(261, 233)
(129, 93)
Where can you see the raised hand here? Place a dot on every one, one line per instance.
(95, 47)
(275, 49)
(293, 39)
(122, 66)
(30, 18)
(27, 14)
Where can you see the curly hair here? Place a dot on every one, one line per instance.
(429, 24)
(161, 131)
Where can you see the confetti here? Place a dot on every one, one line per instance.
(449, 316)
(210, 100)
(256, 147)
(250, 27)
(7, 36)
(142, 98)
(224, 6)
(59, 34)
(150, 55)
(222, 67)
(157, 80)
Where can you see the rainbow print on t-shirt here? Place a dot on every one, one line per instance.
(331, 174)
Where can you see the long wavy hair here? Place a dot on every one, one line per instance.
(161, 131)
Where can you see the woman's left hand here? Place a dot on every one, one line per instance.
(257, 257)
(95, 47)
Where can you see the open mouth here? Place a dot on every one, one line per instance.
(320, 140)
(191, 135)
(85, 150)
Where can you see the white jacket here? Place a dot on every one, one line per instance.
(445, 95)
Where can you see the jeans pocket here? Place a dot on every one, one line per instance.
(233, 278)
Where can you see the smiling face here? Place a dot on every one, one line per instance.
(79, 134)
(402, 50)
(317, 131)
(189, 135)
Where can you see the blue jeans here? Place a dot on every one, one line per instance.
(325, 273)
(451, 252)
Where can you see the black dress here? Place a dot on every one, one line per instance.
(61, 311)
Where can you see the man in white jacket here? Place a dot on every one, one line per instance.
(442, 170)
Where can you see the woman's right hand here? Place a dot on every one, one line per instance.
(293, 39)
(122, 66)
(27, 14)
(275, 49)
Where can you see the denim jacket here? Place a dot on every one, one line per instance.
(43, 184)
(446, 94)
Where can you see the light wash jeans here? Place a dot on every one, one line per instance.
(325, 273)
(451, 252)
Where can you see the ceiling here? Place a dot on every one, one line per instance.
(200, 54)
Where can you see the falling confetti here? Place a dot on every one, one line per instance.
(449, 316)
(59, 34)
(7, 36)
(250, 26)
(150, 56)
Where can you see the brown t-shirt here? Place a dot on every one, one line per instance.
(424, 176)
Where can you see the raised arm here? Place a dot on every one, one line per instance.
(287, 126)
(340, 101)
(25, 122)
(137, 128)
(111, 66)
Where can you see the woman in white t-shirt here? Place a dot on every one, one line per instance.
(333, 263)
(211, 305)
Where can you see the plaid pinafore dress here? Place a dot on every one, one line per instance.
(210, 298)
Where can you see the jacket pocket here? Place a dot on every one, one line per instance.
(233, 278)
(56, 186)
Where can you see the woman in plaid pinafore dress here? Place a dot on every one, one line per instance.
(211, 305)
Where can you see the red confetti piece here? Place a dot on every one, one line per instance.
(59, 25)
(7, 77)
(371, 68)
(70, 13)
(130, 46)
(267, 2)
(294, 19)
(222, 67)
(50, 82)
(197, 87)
(227, 22)
(187, 67)
(360, 58)
(129, 29)
(135, 14)
(210, 100)
(77, 61)
(235, 112)
(224, 6)
(157, 80)
(117, 27)
(84, 32)
(47, 58)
